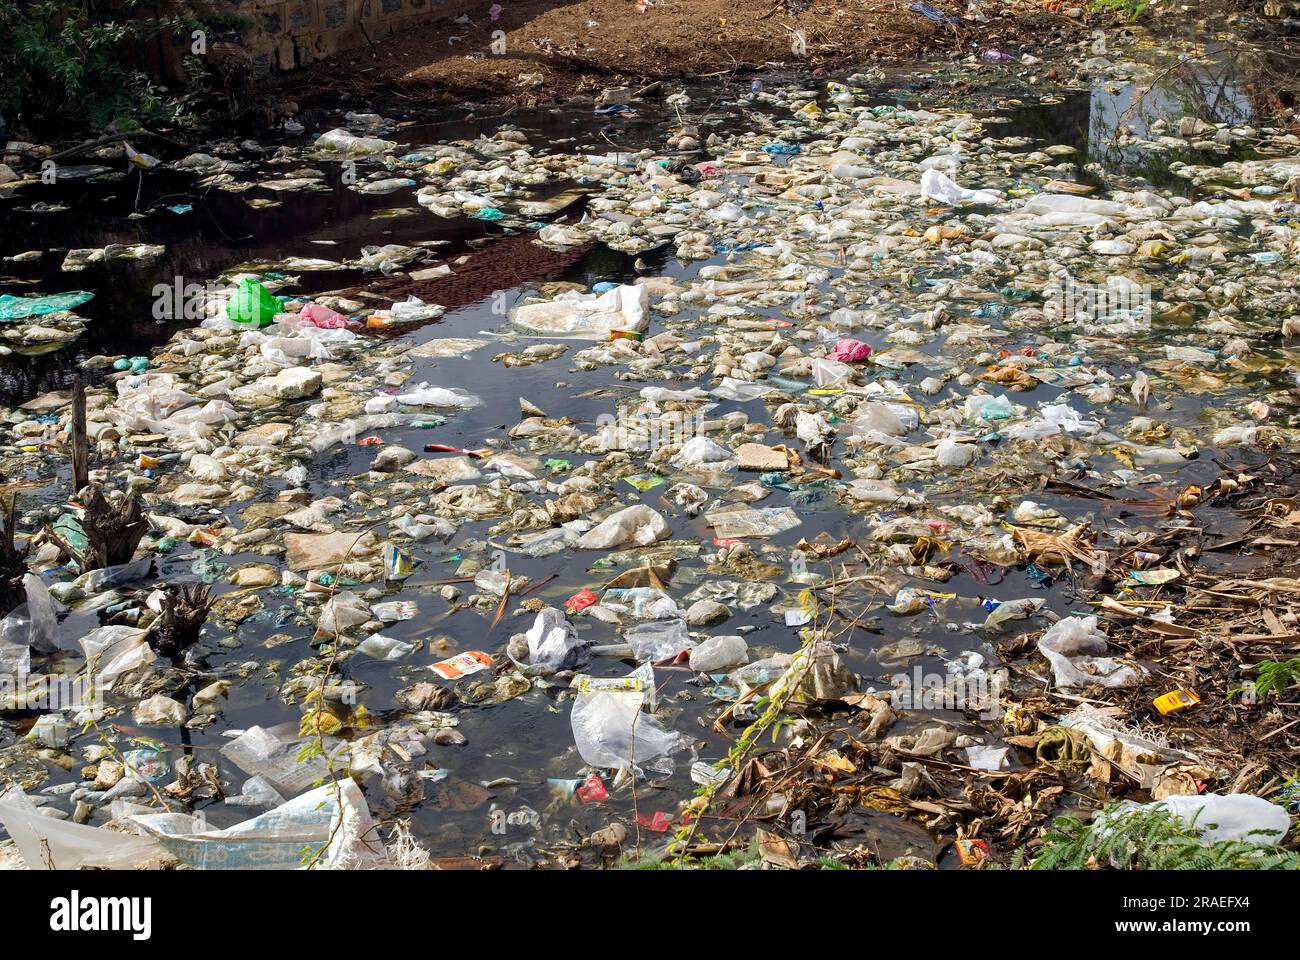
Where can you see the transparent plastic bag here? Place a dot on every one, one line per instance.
(33, 624)
(611, 731)
(1069, 646)
(658, 639)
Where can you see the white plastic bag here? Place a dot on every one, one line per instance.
(719, 653)
(887, 418)
(949, 453)
(341, 613)
(332, 820)
(258, 751)
(1232, 816)
(610, 728)
(424, 395)
(639, 525)
(116, 651)
(589, 316)
(49, 844)
(938, 186)
(553, 642)
(703, 452)
(33, 624)
(1069, 646)
(341, 141)
(658, 639)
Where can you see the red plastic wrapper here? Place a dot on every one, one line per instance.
(659, 821)
(592, 790)
(580, 601)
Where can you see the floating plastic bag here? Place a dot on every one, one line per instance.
(116, 575)
(413, 310)
(644, 603)
(332, 822)
(937, 186)
(1232, 816)
(424, 395)
(33, 624)
(255, 792)
(949, 453)
(342, 613)
(719, 653)
(116, 651)
(22, 308)
(765, 522)
(730, 388)
(850, 351)
(639, 525)
(339, 140)
(322, 317)
(384, 648)
(553, 642)
(703, 452)
(815, 673)
(611, 730)
(891, 419)
(830, 373)
(988, 407)
(1010, 610)
(589, 316)
(658, 639)
(262, 752)
(49, 844)
(252, 305)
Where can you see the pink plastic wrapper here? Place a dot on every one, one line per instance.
(850, 351)
(324, 317)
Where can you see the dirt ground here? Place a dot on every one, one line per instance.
(554, 51)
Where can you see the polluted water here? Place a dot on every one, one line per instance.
(590, 486)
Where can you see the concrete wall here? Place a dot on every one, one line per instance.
(282, 35)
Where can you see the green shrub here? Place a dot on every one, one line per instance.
(1146, 839)
(69, 60)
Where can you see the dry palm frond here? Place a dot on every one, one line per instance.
(1060, 548)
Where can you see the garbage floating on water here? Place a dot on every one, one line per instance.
(868, 461)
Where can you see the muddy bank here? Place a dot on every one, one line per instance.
(557, 51)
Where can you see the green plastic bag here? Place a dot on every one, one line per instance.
(252, 305)
(21, 308)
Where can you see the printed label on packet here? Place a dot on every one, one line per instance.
(585, 684)
(1175, 701)
(972, 852)
(462, 665)
(398, 564)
